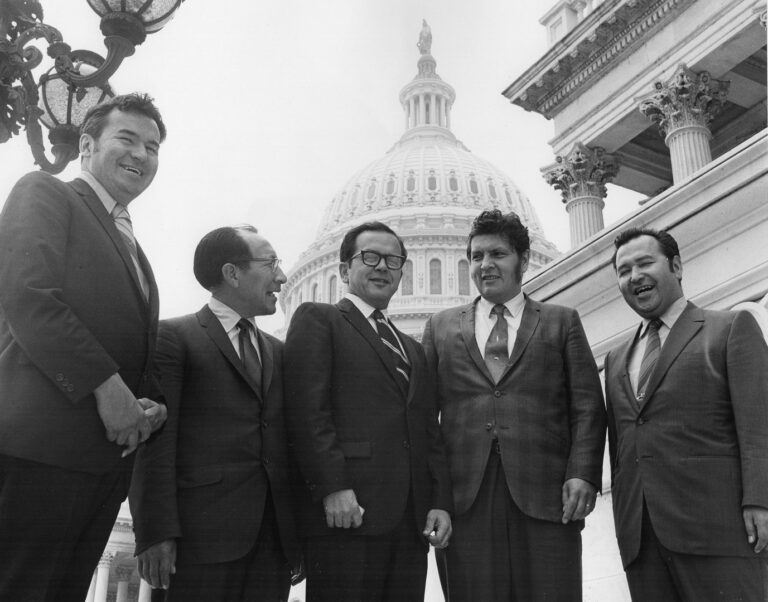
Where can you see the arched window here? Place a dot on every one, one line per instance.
(431, 180)
(410, 183)
(473, 184)
(372, 189)
(463, 277)
(453, 182)
(435, 277)
(314, 293)
(353, 196)
(406, 284)
(491, 190)
(508, 195)
(391, 184)
(332, 289)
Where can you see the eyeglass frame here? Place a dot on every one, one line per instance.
(275, 261)
(379, 257)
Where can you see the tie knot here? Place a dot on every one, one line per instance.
(244, 325)
(120, 212)
(654, 325)
(498, 310)
(378, 316)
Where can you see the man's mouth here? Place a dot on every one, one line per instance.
(643, 289)
(132, 169)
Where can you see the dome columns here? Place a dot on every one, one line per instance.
(683, 107)
(581, 176)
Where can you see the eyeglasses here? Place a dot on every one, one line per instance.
(273, 261)
(373, 258)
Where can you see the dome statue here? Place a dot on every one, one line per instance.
(428, 188)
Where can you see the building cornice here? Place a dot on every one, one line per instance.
(589, 51)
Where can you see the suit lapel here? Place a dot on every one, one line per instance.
(411, 354)
(361, 324)
(622, 360)
(528, 323)
(215, 331)
(99, 211)
(686, 327)
(467, 325)
(267, 363)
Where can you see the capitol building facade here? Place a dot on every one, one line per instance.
(428, 188)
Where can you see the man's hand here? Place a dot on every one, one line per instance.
(438, 528)
(578, 499)
(121, 414)
(341, 509)
(158, 563)
(154, 412)
(756, 523)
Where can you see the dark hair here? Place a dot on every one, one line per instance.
(347, 249)
(506, 225)
(667, 243)
(220, 246)
(96, 118)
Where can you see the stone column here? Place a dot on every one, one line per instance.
(433, 110)
(145, 591)
(102, 577)
(123, 578)
(581, 176)
(412, 112)
(92, 588)
(683, 108)
(422, 109)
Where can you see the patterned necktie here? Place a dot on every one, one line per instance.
(650, 358)
(248, 353)
(496, 352)
(393, 345)
(123, 224)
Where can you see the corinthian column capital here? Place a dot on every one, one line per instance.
(583, 172)
(686, 99)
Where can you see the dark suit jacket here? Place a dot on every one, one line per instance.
(697, 451)
(206, 477)
(71, 315)
(352, 425)
(547, 408)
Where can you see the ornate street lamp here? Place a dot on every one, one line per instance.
(78, 79)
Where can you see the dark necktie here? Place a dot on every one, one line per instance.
(393, 345)
(125, 228)
(496, 353)
(650, 358)
(248, 353)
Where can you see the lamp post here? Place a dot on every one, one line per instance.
(78, 79)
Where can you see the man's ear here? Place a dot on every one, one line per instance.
(231, 274)
(344, 272)
(86, 145)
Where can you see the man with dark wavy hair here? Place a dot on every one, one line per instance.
(523, 420)
(78, 322)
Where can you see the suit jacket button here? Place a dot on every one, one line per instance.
(497, 393)
(264, 424)
(59, 377)
(406, 445)
(265, 460)
(70, 388)
(641, 421)
(488, 426)
(637, 460)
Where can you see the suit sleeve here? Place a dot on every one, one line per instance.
(308, 381)
(587, 410)
(34, 229)
(152, 495)
(747, 363)
(612, 427)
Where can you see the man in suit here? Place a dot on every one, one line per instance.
(523, 420)
(78, 322)
(687, 398)
(213, 513)
(360, 412)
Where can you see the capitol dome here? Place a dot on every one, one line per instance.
(428, 188)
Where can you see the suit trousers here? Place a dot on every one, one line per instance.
(658, 573)
(345, 567)
(54, 525)
(262, 575)
(498, 553)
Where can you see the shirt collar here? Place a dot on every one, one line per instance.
(514, 306)
(227, 316)
(101, 192)
(669, 317)
(364, 307)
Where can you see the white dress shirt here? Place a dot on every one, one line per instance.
(229, 319)
(367, 310)
(485, 320)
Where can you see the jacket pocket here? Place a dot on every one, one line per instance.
(199, 477)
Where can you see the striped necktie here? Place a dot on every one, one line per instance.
(650, 358)
(496, 352)
(390, 341)
(123, 224)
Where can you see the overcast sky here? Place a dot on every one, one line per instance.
(272, 106)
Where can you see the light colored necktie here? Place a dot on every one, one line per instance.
(123, 224)
(650, 358)
(496, 352)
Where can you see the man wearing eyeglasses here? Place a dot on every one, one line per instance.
(210, 498)
(361, 416)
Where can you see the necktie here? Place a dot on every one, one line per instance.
(496, 353)
(650, 357)
(248, 354)
(393, 345)
(123, 223)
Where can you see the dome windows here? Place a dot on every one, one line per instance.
(435, 277)
(453, 181)
(332, 286)
(406, 284)
(492, 189)
(371, 189)
(410, 183)
(390, 188)
(463, 270)
(431, 180)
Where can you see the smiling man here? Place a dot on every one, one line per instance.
(523, 420)
(687, 424)
(212, 510)
(78, 322)
(361, 416)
